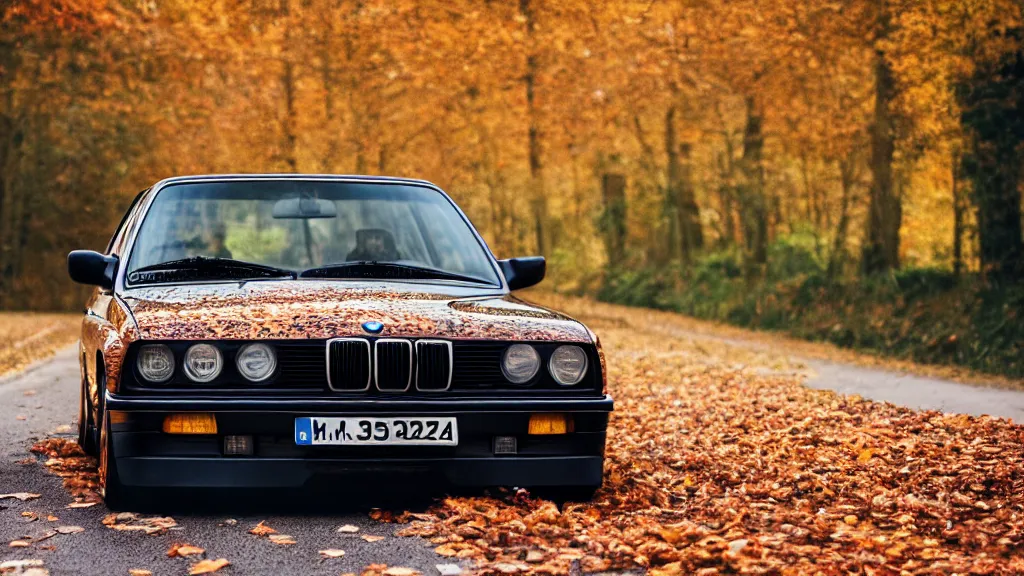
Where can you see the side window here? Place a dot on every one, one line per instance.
(120, 237)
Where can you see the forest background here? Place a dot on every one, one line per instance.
(845, 170)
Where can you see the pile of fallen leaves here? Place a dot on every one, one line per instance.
(27, 336)
(66, 459)
(719, 460)
(717, 463)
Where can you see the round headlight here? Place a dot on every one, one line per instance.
(203, 362)
(521, 363)
(155, 363)
(256, 362)
(568, 365)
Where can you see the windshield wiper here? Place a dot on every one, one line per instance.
(207, 267)
(388, 270)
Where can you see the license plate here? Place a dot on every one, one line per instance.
(334, 431)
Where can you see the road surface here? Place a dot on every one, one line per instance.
(43, 400)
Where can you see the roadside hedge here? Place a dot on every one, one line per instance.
(925, 315)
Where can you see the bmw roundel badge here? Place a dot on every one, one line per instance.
(373, 327)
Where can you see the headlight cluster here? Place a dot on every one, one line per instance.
(567, 365)
(204, 362)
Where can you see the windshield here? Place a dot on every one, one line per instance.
(300, 226)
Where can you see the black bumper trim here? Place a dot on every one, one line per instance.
(152, 472)
(336, 404)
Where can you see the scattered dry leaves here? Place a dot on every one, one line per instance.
(400, 571)
(262, 529)
(348, 529)
(717, 462)
(130, 522)
(282, 539)
(371, 538)
(23, 496)
(184, 551)
(332, 553)
(65, 458)
(139, 572)
(208, 566)
(26, 337)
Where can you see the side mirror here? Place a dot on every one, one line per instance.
(523, 272)
(92, 268)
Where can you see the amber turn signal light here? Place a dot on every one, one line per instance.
(550, 424)
(196, 423)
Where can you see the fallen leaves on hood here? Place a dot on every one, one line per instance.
(23, 496)
(208, 566)
(262, 529)
(332, 553)
(184, 551)
(719, 460)
(130, 522)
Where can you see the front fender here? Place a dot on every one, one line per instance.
(107, 330)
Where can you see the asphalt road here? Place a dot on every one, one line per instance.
(313, 519)
(35, 404)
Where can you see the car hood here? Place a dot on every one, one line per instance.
(298, 309)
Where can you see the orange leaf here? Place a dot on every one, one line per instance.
(208, 566)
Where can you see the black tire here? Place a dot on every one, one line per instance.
(117, 496)
(88, 435)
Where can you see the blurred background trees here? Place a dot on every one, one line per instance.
(748, 160)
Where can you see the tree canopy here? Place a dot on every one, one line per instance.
(888, 131)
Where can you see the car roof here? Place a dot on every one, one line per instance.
(293, 176)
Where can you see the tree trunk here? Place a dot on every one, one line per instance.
(846, 180)
(997, 195)
(613, 192)
(684, 214)
(993, 104)
(538, 200)
(885, 213)
(288, 84)
(754, 204)
(328, 80)
(959, 206)
(676, 244)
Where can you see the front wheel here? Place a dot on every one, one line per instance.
(117, 496)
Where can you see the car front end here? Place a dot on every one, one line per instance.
(268, 331)
(359, 405)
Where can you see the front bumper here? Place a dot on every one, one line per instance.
(147, 457)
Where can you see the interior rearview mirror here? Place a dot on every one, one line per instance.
(92, 268)
(304, 207)
(523, 272)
